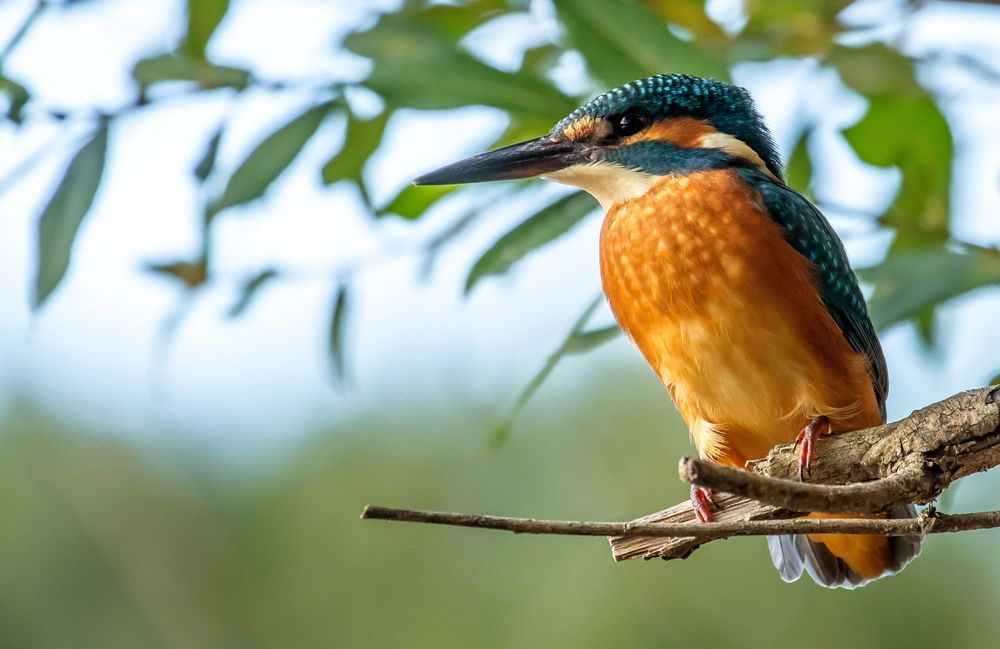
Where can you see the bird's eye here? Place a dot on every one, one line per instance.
(630, 122)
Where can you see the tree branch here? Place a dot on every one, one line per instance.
(909, 461)
(860, 472)
(924, 524)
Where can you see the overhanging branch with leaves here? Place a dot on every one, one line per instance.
(422, 57)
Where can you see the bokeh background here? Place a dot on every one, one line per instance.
(228, 322)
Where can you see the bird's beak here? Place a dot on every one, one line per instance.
(523, 160)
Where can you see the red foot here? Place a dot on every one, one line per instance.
(808, 438)
(702, 501)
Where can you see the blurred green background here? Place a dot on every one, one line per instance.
(110, 545)
(230, 322)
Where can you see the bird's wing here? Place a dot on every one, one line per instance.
(808, 231)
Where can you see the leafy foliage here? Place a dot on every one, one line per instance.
(62, 216)
(360, 141)
(270, 158)
(537, 230)
(338, 320)
(909, 283)
(421, 58)
(624, 40)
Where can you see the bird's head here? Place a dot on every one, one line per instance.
(618, 145)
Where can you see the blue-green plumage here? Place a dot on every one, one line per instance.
(813, 237)
(726, 107)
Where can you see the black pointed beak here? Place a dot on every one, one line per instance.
(523, 160)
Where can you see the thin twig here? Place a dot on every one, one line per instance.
(710, 531)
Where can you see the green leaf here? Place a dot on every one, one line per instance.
(623, 40)
(908, 284)
(777, 28)
(995, 380)
(17, 96)
(249, 291)
(64, 213)
(459, 20)
(691, 15)
(585, 341)
(875, 69)
(910, 133)
(532, 233)
(540, 60)
(799, 171)
(335, 338)
(203, 17)
(420, 65)
(577, 341)
(170, 67)
(360, 142)
(207, 162)
(413, 201)
(191, 274)
(270, 158)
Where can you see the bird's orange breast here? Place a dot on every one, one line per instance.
(729, 316)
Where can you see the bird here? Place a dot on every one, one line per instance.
(733, 286)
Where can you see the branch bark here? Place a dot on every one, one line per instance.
(924, 524)
(909, 461)
(858, 472)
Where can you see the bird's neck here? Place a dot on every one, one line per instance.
(610, 184)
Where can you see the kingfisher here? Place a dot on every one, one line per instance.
(732, 285)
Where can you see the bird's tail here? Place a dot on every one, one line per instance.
(844, 560)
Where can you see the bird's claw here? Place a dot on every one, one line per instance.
(808, 438)
(702, 501)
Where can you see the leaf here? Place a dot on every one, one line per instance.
(799, 171)
(910, 133)
(335, 339)
(623, 40)
(419, 65)
(577, 341)
(412, 201)
(170, 67)
(777, 28)
(907, 284)
(17, 96)
(532, 233)
(587, 340)
(360, 142)
(539, 60)
(691, 15)
(459, 20)
(64, 213)
(925, 323)
(191, 274)
(875, 69)
(207, 162)
(203, 17)
(995, 380)
(249, 291)
(270, 158)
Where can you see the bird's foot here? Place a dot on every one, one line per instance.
(808, 438)
(702, 501)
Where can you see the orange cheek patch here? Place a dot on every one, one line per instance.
(685, 132)
(581, 129)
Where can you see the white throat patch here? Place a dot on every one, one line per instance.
(610, 184)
